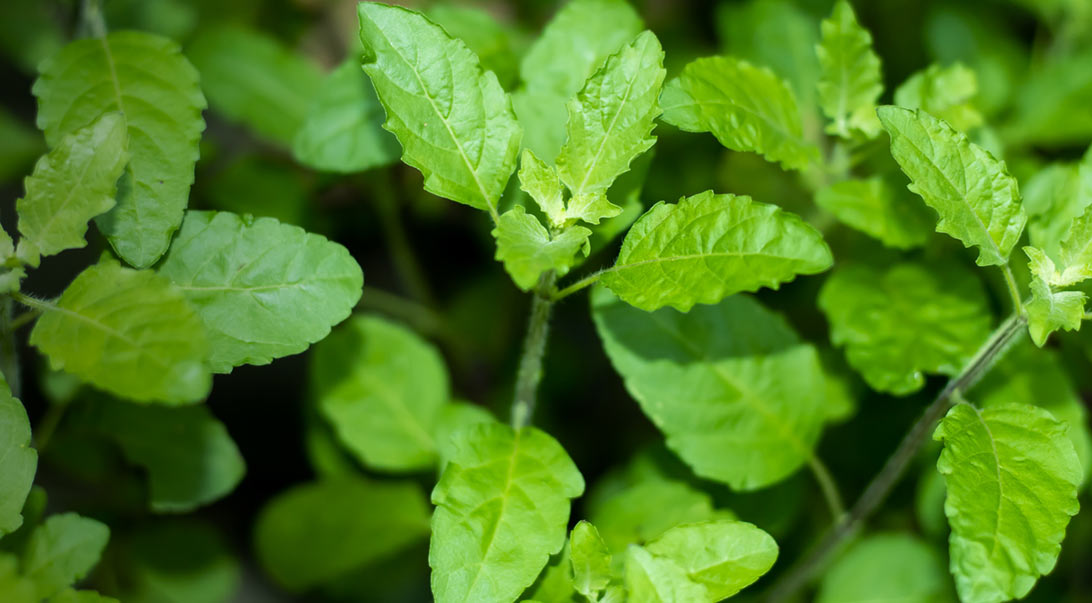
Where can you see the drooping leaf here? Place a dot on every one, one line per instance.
(747, 108)
(707, 247)
(1051, 310)
(871, 207)
(740, 398)
(1012, 478)
(251, 78)
(572, 46)
(850, 82)
(382, 388)
(528, 249)
(610, 124)
(976, 198)
(146, 78)
(18, 461)
(248, 279)
(342, 130)
(75, 182)
(944, 92)
(61, 551)
(502, 505)
(317, 532)
(493, 42)
(454, 120)
(887, 567)
(201, 464)
(129, 332)
(590, 560)
(911, 320)
(178, 560)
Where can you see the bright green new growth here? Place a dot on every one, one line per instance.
(976, 198)
(317, 532)
(907, 321)
(850, 82)
(740, 398)
(701, 562)
(129, 332)
(528, 249)
(539, 180)
(871, 207)
(75, 182)
(91, 77)
(248, 280)
(61, 551)
(944, 92)
(590, 560)
(382, 388)
(708, 247)
(1012, 477)
(454, 120)
(502, 505)
(747, 108)
(887, 567)
(18, 461)
(1051, 310)
(342, 129)
(1054, 198)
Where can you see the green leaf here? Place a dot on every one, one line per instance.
(15, 587)
(850, 82)
(129, 332)
(91, 77)
(707, 247)
(18, 461)
(740, 398)
(978, 201)
(489, 40)
(944, 92)
(540, 181)
(528, 249)
(555, 583)
(20, 146)
(1054, 198)
(502, 505)
(904, 322)
(75, 182)
(1012, 478)
(81, 596)
(871, 207)
(701, 562)
(248, 279)
(252, 79)
(201, 465)
(590, 559)
(454, 120)
(1051, 310)
(262, 187)
(317, 532)
(62, 551)
(571, 48)
(1076, 251)
(610, 124)
(886, 567)
(179, 560)
(453, 418)
(342, 130)
(382, 388)
(747, 108)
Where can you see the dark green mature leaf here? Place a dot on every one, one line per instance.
(528, 249)
(317, 532)
(747, 108)
(571, 48)
(146, 78)
(887, 567)
(871, 207)
(740, 398)
(1012, 477)
(850, 82)
(129, 332)
(899, 324)
(502, 506)
(454, 120)
(18, 461)
(944, 92)
(342, 131)
(61, 551)
(252, 79)
(72, 184)
(249, 278)
(978, 201)
(707, 247)
(178, 560)
(20, 146)
(382, 388)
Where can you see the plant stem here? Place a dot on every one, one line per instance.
(34, 304)
(799, 575)
(9, 353)
(589, 280)
(534, 348)
(405, 262)
(45, 428)
(1014, 291)
(91, 21)
(829, 488)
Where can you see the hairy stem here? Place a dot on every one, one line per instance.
(9, 353)
(587, 281)
(803, 571)
(1014, 291)
(534, 349)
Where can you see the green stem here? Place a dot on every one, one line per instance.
(91, 20)
(1014, 291)
(587, 281)
(802, 572)
(35, 304)
(829, 488)
(529, 374)
(9, 353)
(43, 432)
(405, 261)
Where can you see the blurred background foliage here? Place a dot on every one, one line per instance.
(267, 66)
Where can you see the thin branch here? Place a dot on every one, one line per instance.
(1014, 291)
(587, 281)
(829, 488)
(394, 231)
(529, 374)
